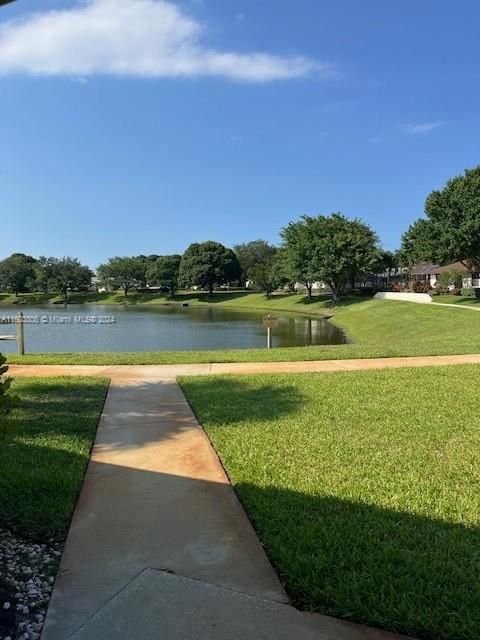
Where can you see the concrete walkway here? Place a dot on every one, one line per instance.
(147, 372)
(156, 502)
(456, 306)
(155, 496)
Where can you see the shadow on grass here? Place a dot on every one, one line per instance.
(50, 432)
(54, 407)
(39, 486)
(395, 570)
(390, 569)
(236, 401)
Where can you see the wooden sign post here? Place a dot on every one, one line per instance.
(20, 334)
(270, 322)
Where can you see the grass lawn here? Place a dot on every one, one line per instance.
(44, 457)
(378, 328)
(363, 486)
(447, 299)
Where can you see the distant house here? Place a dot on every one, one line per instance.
(427, 272)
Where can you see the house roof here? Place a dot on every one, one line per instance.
(455, 266)
(427, 268)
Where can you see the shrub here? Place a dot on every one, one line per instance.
(452, 278)
(5, 397)
(420, 287)
(468, 292)
(455, 292)
(398, 286)
(439, 291)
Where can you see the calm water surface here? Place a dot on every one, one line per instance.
(91, 328)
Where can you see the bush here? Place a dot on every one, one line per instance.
(440, 291)
(420, 287)
(455, 292)
(468, 292)
(452, 278)
(5, 397)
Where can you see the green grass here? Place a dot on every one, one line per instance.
(43, 459)
(460, 300)
(118, 298)
(378, 328)
(363, 486)
(86, 297)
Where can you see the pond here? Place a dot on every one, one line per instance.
(93, 328)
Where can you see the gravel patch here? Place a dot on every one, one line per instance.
(27, 574)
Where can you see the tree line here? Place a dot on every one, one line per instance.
(332, 249)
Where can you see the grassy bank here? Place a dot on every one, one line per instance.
(460, 300)
(363, 487)
(240, 299)
(378, 328)
(244, 299)
(43, 461)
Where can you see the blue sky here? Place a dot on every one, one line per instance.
(139, 126)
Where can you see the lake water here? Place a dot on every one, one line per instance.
(93, 328)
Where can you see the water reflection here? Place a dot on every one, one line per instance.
(89, 328)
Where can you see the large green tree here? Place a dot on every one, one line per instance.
(252, 255)
(122, 272)
(62, 275)
(450, 232)
(208, 264)
(419, 243)
(332, 249)
(164, 271)
(299, 253)
(17, 273)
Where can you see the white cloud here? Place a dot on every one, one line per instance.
(146, 38)
(423, 127)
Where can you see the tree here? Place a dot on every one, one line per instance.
(17, 272)
(43, 273)
(252, 254)
(451, 230)
(299, 253)
(122, 272)
(62, 275)
(332, 249)
(207, 264)
(419, 243)
(258, 262)
(164, 271)
(147, 262)
(386, 264)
